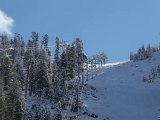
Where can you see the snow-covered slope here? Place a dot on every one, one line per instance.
(120, 94)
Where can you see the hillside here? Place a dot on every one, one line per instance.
(73, 85)
(120, 93)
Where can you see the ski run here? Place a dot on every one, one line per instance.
(121, 93)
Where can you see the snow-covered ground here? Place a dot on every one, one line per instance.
(115, 63)
(120, 93)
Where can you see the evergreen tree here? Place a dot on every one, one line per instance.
(35, 46)
(64, 64)
(57, 52)
(57, 72)
(79, 55)
(72, 63)
(55, 82)
(2, 101)
(42, 81)
(17, 41)
(148, 51)
(28, 64)
(20, 73)
(4, 42)
(35, 39)
(44, 43)
(31, 79)
(143, 53)
(12, 94)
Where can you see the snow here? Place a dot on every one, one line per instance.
(122, 95)
(115, 63)
(41, 103)
(117, 92)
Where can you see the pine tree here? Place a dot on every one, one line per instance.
(44, 41)
(22, 49)
(56, 71)
(143, 52)
(57, 51)
(55, 82)
(12, 94)
(148, 51)
(20, 73)
(2, 102)
(35, 39)
(72, 63)
(28, 63)
(64, 64)
(42, 81)
(35, 49)
(31, 79)
(4, 42)
(79, 52)
(64, 71)
(44, 45)
(17, 53)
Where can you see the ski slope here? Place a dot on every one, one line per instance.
(122, 95)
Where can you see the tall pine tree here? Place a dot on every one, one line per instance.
(12, 109)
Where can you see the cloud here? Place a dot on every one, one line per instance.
(6, 23)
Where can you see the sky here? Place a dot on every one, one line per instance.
(116, 27)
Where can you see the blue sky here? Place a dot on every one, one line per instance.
(115, 27)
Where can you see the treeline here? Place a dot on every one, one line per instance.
(26, 67)
(143, 53)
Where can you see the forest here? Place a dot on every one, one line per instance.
(30, 69)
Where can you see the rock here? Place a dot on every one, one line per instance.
(85, 113)
(93, 115)
(93, 88)
(95, 96)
